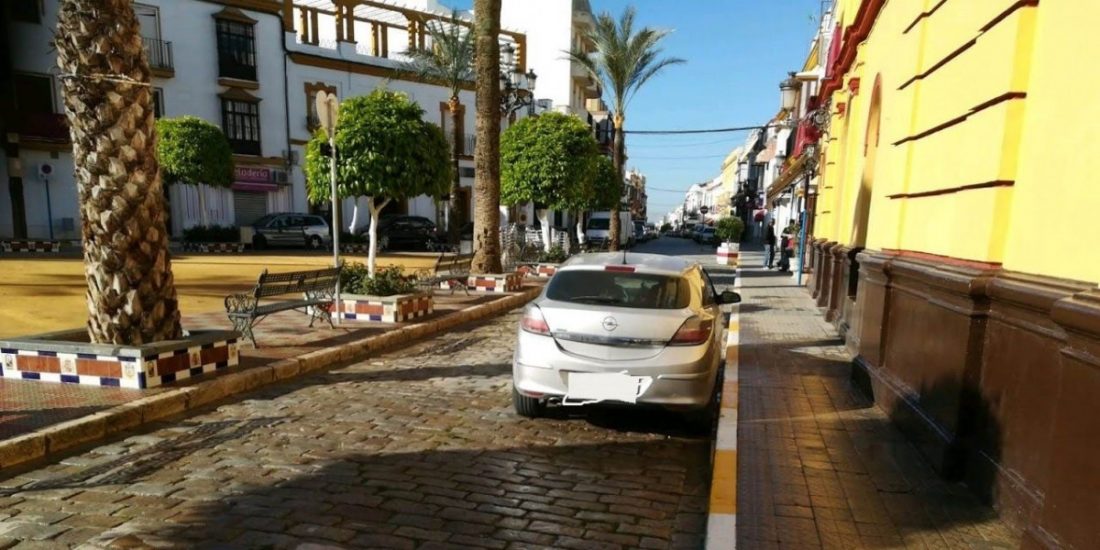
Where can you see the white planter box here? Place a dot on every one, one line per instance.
(729, 254)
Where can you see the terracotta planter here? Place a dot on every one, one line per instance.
(729, 254)
(30, 246)
(67, 357)
(214, 248)
(385, 309)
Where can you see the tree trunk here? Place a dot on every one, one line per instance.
(109, 105)
(202, 205)
(453, 218)
(580, 227)
(354, 215)
(615, 227)
(487, 151)
(544, 221)
(375, 210)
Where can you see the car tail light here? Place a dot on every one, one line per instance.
(534, 322)
(620, 268)
(693, 332)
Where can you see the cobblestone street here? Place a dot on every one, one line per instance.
(417, 448)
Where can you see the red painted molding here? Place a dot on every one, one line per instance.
(853, 35)
(948, 260)
(952, 190)
(1007, 96)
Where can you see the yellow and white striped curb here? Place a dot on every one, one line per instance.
(722, 511)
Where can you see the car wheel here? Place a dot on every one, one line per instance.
(530, 407)
(259, 242)
(315, 242)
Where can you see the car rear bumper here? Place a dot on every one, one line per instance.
(682, 377)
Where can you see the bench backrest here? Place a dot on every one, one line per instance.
(297, 282)
(453, 263)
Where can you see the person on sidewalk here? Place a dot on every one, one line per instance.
(786, 251)
(769, 244)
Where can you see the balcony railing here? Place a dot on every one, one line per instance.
(159, 53)
(469, 141)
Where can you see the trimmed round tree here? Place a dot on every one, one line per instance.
(193, 151)
(604, 191)
(385, 151)
(548, 160)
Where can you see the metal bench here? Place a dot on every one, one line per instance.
(317, 288)
(451, 268)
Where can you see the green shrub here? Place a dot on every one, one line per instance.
(387, 281)
(555, 255)
(729, 229)
(211, 234)
(665, 228)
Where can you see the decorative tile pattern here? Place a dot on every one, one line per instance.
(390, 309)
(30, 246)
(507, 282)
(214, 248)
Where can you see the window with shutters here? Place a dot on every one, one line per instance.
(241, 122)
(236, 49)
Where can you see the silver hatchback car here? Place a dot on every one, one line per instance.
(621, 327)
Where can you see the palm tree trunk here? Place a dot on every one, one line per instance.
(487, 150)
(109, 105)
(615, 228)
(453, 224)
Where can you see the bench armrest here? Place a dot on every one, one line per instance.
(240, 303)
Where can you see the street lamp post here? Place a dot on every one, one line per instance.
(328, 109)
(517, 88)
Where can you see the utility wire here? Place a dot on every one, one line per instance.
(707, 131)
(722, 156)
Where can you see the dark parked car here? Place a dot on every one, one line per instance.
(408, 233)
(291, 229)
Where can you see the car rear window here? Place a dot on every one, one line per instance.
(619, 289)
(599, 223)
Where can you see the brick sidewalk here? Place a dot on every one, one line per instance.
(27, 406)
(819, 466)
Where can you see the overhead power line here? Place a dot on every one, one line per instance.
(707, 131)
(722, 156)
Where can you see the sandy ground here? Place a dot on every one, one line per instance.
(46, 293)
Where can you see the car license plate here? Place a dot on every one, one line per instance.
(606, 386)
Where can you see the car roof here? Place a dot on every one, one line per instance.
(648, 263)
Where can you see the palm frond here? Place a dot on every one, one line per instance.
(450, 57)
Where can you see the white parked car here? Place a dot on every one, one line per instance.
(621, 327)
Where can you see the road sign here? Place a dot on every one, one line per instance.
(703, 209)
(328, 108)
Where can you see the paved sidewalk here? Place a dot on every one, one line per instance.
(26, 406)
(819, 466)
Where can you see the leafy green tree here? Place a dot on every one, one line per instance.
(548, 160)
(385, 151)
(193, 151)
(450, 62)
(623, 60)
(729, 229)
(604, 192)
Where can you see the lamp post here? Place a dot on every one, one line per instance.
(328, 109)
(517, 88)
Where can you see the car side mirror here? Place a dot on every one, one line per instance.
(729, 297)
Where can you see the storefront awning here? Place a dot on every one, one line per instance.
(787, 177)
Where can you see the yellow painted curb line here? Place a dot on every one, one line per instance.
(722, 509)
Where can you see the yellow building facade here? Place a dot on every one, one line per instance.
(952, 241)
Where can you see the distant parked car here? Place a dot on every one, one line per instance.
(291, 229)
(408, 233)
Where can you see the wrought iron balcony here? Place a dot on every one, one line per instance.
(159, 53)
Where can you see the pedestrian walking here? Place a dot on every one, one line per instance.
(786, 246)
(769, 244)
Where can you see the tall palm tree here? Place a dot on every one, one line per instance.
(109, 104)
(487, 149)
(449, 61)
(623, 60)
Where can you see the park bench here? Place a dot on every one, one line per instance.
(451, 268)
(317, 290)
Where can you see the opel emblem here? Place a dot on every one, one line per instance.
(610, 324)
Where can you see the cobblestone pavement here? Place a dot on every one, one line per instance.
(417, 448)
(819, 465)
(26, 406)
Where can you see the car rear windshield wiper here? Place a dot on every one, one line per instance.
(596, 299)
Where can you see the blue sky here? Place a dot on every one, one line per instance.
(737, 51)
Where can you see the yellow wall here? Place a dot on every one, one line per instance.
(1042, 146)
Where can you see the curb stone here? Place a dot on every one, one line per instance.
(722, 509)
(54, 439)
